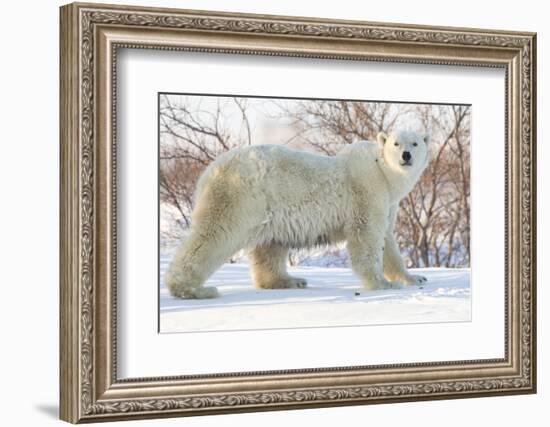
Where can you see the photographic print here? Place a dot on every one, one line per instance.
(298, 213)
(259, 183)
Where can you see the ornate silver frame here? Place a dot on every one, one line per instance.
(90, 36)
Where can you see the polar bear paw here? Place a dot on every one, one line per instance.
(298, 282)
(414, 279)
(207, 292)
(290, 283)
(284, 283)
(386, 284)
(195, 293)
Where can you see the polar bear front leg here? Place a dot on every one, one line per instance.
(394, 268)
(365, 247)
(268, 268)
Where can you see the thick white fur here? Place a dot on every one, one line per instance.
(269, 198)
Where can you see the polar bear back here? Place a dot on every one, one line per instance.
(270, 169)
(291, 197)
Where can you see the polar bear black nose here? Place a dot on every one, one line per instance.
(406, 156)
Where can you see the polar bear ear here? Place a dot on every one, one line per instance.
(426, 139)
(381, 138)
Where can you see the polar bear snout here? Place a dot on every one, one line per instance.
(407, 157)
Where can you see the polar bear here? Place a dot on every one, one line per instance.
(269, 198)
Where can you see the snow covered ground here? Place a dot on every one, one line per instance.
(334, 297)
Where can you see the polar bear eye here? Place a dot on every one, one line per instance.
(396, 144)
(415, 144)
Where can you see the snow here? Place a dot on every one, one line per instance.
(333, 297)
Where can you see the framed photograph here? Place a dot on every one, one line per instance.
(266, 212)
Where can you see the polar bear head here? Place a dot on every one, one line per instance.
(405, 152)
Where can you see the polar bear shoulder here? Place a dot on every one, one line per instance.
(365, 152)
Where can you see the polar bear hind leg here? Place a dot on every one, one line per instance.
(209, 245)
(268, 268)
(195, 260)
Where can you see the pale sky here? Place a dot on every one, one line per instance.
(267, 122)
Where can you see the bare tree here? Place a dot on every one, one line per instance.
(434, 221)
(192, 136)
(433, 224)
(326, 126)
